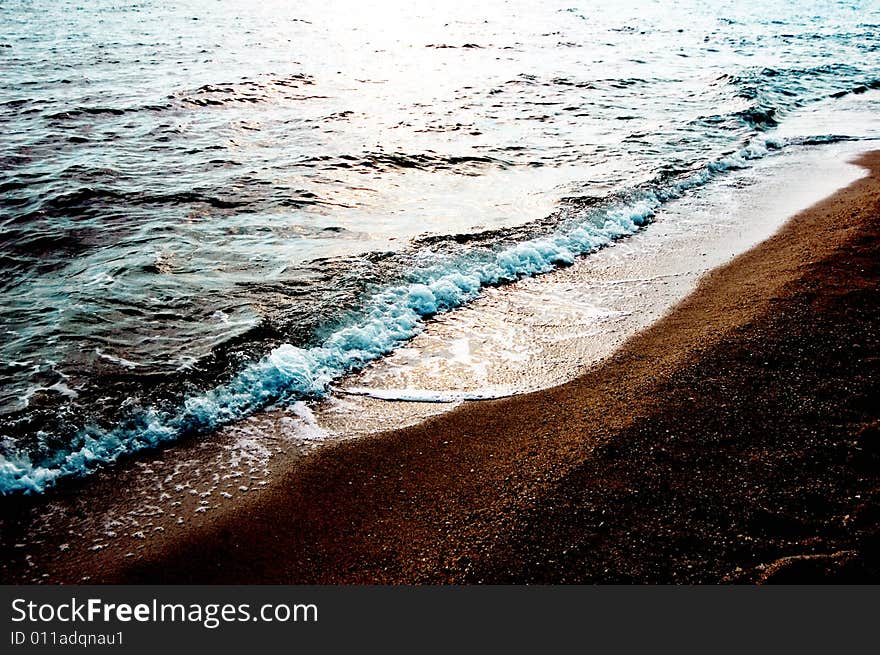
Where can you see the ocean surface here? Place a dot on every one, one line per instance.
(211, 208)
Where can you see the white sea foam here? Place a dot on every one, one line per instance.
(425, 395)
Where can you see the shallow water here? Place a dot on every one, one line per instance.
(210, 207)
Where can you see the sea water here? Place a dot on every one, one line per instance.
(209, 208)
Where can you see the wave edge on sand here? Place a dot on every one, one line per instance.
(735, 440)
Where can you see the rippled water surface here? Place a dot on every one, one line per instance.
(206, 207)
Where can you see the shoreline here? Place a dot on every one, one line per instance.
(543, 331)
(774, 476)
(600, 479)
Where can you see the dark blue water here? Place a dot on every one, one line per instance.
(208, 207)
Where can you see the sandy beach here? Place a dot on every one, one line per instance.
(735, 440)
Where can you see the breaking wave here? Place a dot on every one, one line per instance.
(396, 314)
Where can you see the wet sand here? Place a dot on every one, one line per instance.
(735, 440)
